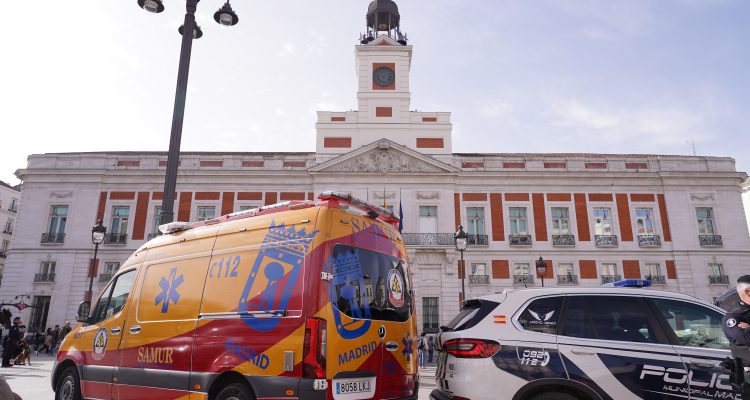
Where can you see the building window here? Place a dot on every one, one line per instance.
(475, 217)
(57, 220)
(8, 226)
(428, 219)
(120, 216)
(13, 205)
(602, 221)
(156, 220)
(518, 221)
(644, 221)
(479, 269)
(110, 269)
(206, 213)
(609, 269)
(430, 315)
(565, 269)
(4, 248)
(39, 313)
(653, 270)
(46, 272)
(521, 269)
(705, 221)
(716, 269)
(560, 221)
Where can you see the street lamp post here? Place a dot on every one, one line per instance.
(462, 243)
(189, 31)
(541, 268)
(98, 232)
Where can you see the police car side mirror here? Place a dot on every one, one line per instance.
(83, 311)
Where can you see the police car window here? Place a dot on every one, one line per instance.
(693, 324)
(542, 315)
(113, 301)
(618, 318)
(370, 285)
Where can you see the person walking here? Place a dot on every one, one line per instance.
(38, 341)
(63, 332)
(14, 336)
(55, 337)
(422, 347)
(430, 349)
(47, 342)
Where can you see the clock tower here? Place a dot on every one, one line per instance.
(383, 60)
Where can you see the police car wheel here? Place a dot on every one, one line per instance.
(68, 386)
(553, 396)
(234, 391)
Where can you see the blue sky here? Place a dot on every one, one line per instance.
(519, 76)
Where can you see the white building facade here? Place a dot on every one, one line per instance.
(9, 201)
(594, 218)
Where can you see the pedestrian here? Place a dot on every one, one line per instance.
(430, 349)
(38, 340)
(47, 344)
(11, 348)
(422, 347)
(55, 337)
(63, 332)
(736, 327)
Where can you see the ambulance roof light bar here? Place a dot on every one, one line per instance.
(634, 283)
(173, 227)
(365, 205)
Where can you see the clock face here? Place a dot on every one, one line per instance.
(384, 76)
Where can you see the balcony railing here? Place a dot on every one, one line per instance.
(567, 279)
(520, 240)
(44, 278)
(523, 279)
(8, 231)
(13, 209)
(649, 241)
(563, 240)
(718, 280)
(656, 279)
(105, 277)
(479, 279)
(116, 238)
(56, 238)
(710, 240)
(606, 240)
(3, 254)
(611, 278)
(478, 240)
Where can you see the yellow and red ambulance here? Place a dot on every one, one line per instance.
(298, 300)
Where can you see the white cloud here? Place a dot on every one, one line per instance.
(496, 110)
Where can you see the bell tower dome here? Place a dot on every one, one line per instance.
(383, 19)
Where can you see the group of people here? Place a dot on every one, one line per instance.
(426, 349)
(16, 344)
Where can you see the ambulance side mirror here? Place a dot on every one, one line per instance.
(83, 311)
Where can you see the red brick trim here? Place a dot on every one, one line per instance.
(671, 269)
(207, 195)
(642, 197)
(141, 212)
(600, 196)
(472, 164)
(588, 269)
(250, 196)
(157, 196)
(516, 197)
(500, 269)
(498, 221)
(582, 217)
(555, 165)
(337, 142)
(514, 165)
(623, 213)
(295, 164)
(128, 163)
(384, 112)
(285, 196)
(558, 196)
(253, 164)
(429, 119)
(310, 196)
(122, 195)
(631, 269)
(392, 86)
(212, 163)
(338, 119)
(664, 218)
(457, 209)
(163, 163)
(595, 165)
(186, 201)
(461, 269)
(102, 205)
(93, 268)
(271, 198)
(540, 217)
(636, 165)
(227, 203)
(474, 197)
(430, 143)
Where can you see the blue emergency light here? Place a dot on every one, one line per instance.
(629, 283)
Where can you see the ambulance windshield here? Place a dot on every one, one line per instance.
(370, 285)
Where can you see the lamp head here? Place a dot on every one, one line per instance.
(226, 16)
(97, 233)
(461, 239)
(152, 6)
(197, 31)
(541, 267)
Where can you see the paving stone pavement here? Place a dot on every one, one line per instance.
(33, 382)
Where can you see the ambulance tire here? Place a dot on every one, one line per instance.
(235, 391)
(553, 396)
(69, 385)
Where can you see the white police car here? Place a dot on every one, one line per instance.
(616, 342)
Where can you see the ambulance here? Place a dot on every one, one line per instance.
(298, 300)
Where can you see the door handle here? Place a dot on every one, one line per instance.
(579, 351)
(115, 331)
(702, 363)
(135, 329)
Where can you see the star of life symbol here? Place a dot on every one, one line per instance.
(408, 346)
(169, 290)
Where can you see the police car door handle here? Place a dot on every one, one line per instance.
(576, 350)
(115, 331)
(702, 363)
(135, 329)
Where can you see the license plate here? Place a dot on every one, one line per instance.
(353, 389)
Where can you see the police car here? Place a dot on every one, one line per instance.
(617, 342)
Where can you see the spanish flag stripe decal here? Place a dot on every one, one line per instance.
(500, 319)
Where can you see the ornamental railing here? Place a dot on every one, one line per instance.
(563, 240)
(710, 240)
(611, 278)
(429, 239)
(606, 240)
(116, 238)
(656, 279)
(479, 279)
(520, 240)
(718, 280)
(56, 238)
(523, 279)
(647, 241)
(567, 279)
(478, 240)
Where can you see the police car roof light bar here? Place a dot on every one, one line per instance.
(635, 283)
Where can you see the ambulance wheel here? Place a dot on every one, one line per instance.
(553, 396)
(234, 391)
(69, 385)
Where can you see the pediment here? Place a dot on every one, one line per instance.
(384, 41)
(384, 156)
